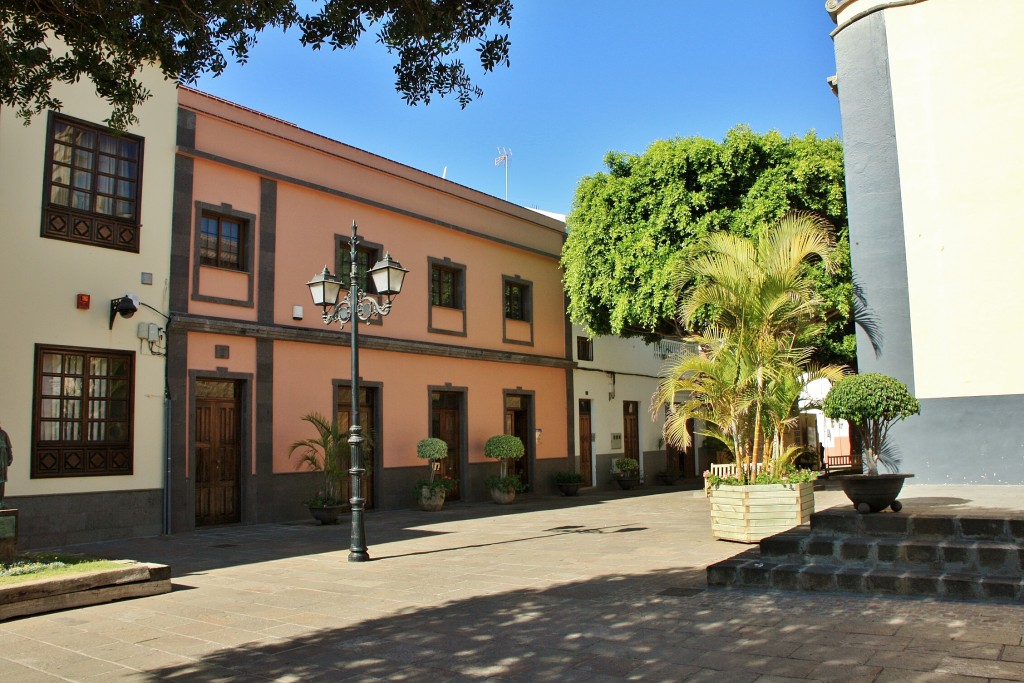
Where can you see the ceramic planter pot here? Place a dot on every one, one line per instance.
(431, 502)
(502, 497)
(626, 483)
(874, 493)
(327, 514)
(569, 489)
(749, 513)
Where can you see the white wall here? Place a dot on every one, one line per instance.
(629, 369)
(41, 278)
(957, 111)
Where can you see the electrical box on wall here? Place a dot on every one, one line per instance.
(616, 441)
(148, 332)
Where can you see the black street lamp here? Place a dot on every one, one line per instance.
(326, 289)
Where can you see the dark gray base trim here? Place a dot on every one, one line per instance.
(66, 519)
(964, 440)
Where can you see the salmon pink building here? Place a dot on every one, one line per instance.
(476, 344)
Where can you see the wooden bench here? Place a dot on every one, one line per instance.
(842, 462)
(727, 469)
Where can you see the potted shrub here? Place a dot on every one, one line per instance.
(431, 492)
(504, 448)
(569, 483)
(754, 309)
(327, 454)
(626, 472)
(872, 403)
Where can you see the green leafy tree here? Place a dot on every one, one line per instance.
(108, 42)
(872, 403)
(633, 225)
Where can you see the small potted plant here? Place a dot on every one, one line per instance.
(626, 472)
(504, 448)
(872, 403)
(327, 454)
(431, 492)
(569, 483)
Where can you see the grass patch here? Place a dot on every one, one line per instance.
(35, 566)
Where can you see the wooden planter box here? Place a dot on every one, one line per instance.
(749, 513)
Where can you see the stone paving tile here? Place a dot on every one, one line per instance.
(980, 668)
(482, 593)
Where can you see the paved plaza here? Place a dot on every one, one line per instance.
(604, 587)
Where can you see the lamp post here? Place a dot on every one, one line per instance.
(357, 305)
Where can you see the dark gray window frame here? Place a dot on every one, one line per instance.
(527, 306)
(447, 264)
(248, 221)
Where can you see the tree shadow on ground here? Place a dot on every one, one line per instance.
(659, 626)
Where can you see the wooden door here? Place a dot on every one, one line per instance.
(446, 424)
(586, 446)
(517, 423)
(631, 429)
(368, 423)
(217, 455)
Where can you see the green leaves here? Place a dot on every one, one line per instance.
(632, 225)
(108, 42)
(859, 399)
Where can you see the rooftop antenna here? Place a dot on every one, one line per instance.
(503, 158)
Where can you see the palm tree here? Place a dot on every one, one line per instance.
(757, 305)
(327, 453)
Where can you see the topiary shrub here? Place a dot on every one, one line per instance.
(432, 449)
(504, 447)
(871, 403)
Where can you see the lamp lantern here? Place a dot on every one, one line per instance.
(388, 276)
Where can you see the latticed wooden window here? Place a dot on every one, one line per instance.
(83, 412)
(93, 185)
(445, 287)
(222, 242)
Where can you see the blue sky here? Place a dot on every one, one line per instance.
(587, 77)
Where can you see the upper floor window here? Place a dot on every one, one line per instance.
(222, 242)
(584, 348)
(445, 286)
(82, 412)
(367, 256)
(517, 300)
(92, 187)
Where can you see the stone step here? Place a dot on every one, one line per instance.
(749, 570)
(947, 555)
(848, 522)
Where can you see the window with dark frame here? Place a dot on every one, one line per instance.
(445, 286)
(584, 348)
(82, 412)
(517, 301)
(366, 258)
(222, 242)
(92, 188)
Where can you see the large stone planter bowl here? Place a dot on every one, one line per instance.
(874, 493)
(327, 514)
(569, 488)
(431, 503)
(502, 497)
(626, 483)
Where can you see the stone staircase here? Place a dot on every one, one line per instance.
(927, 554)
